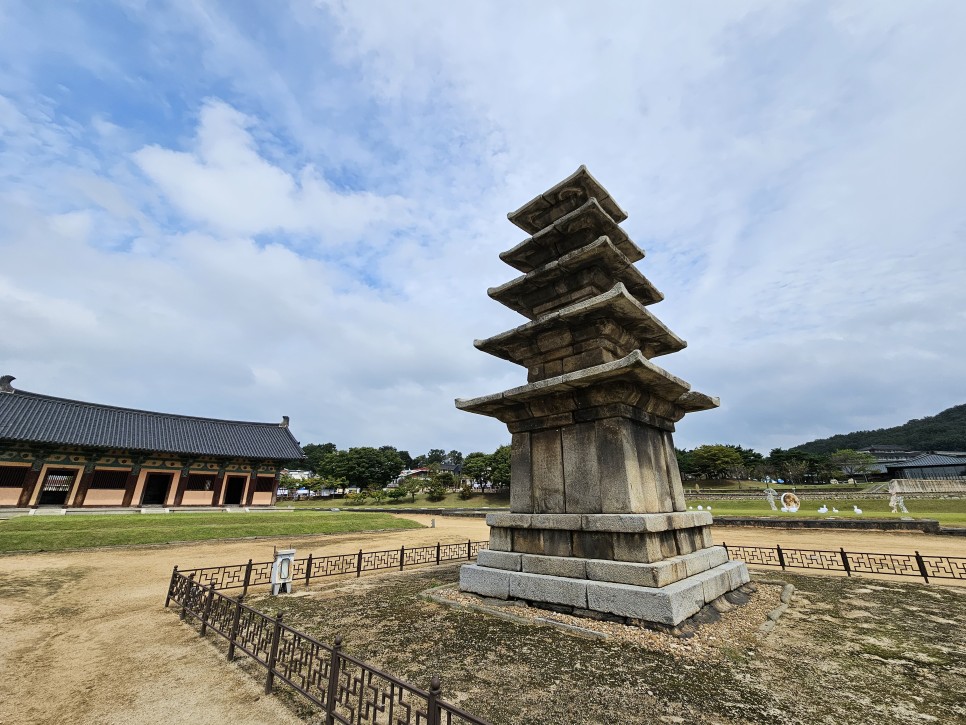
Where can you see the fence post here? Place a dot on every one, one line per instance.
(359, 565)
(248, 577)
(727, 553)
(233, 634)
(432, 709)
(206, 612)
(469, 543)
(922, 567)
(330, 693)
(781, 556)
(174, 578)
(402, 557)
(187, 597)
(273, 654)
(308, 571)
(845, 562)
(437, 553)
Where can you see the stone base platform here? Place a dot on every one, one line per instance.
(666, 606)
(646, 538)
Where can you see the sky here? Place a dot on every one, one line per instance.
(257, 209)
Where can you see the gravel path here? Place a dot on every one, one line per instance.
(87, 641)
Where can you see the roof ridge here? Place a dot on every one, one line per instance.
(103, 406)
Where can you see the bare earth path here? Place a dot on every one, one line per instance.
(84, 637)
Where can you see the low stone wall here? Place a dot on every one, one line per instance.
(806, 494)
(928, 526)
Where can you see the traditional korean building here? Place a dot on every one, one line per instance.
(73, 454)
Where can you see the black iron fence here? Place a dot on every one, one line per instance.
(242, 576)
(348, 690)
(853, 562)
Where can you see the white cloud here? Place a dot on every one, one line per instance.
(298, 213)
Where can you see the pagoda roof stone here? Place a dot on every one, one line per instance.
(531, 340)
(634, 368)
(560, 282)
(568, 233)
(563, 198)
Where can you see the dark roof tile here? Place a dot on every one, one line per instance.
(30, 417)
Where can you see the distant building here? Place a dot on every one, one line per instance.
(70, 453)
(930, 465)
(298, 475)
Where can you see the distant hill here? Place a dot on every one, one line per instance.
(943, 432)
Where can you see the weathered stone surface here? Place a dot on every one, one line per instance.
(521, 490)
(636, 523)
(668, 605)
(581, 473)
(501, 539)
(546, 471)
(565, 566)
(509, 521)
(551, 589)
(704, 559)
(500, 560)
(567, 522)
(485, 582)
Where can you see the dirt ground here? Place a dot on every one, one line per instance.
(85, 638)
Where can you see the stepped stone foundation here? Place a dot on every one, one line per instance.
(598, 523)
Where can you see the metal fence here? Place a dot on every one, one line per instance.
(853, 562)
(242, 576)
(348, 690)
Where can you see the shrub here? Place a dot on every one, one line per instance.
(466, 491)
(436, 491)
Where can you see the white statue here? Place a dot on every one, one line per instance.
(771, 493)
(894, 502)
(902, 505)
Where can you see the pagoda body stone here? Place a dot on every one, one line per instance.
(598, 524)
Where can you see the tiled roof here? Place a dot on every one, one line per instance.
(929, 459)
(30, 417)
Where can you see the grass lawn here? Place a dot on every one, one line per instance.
(51, 533)
(500, 499)
(949, 512)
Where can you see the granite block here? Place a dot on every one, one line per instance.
(548, 589)
(563, 566)
(485, 582)
(499, 560)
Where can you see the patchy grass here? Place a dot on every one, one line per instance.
(950, 512)
(849, 651)
(52, 533)
(498, 499)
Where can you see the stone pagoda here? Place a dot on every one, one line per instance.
(598, 524)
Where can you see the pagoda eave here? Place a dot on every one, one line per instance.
(561, 329)
(573, 231)
(647, 383)
(525, 294)
(563, 198)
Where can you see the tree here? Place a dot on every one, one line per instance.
(852, 463)
(716, 461)
(476, 465)
(364, 467)
(435, 455)
(454, 457)
(407, 460)
(436, 491)
(499, 464)
(315, 455)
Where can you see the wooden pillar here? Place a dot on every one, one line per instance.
(218, 487)
(30, 483)
(132, 483)
(252, 484)
(278, 476)
(85, 483)
(182, 484)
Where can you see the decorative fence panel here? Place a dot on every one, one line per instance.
(849, 562)
(348, 690)
(242, 576)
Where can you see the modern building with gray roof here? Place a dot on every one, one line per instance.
(71, 453)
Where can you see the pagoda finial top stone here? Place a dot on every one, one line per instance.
(563, 198)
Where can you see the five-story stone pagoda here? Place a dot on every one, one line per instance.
(598, 523)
